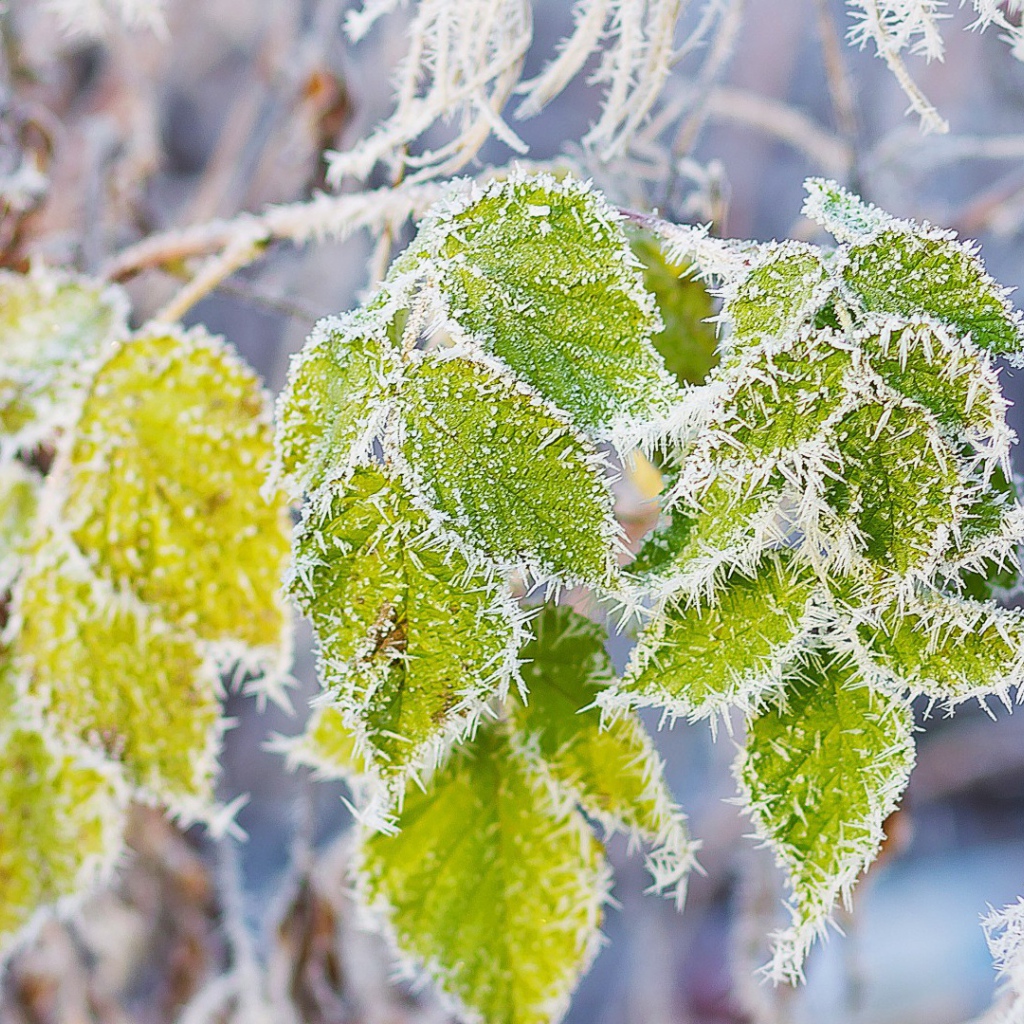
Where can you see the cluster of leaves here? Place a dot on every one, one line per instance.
(446, 436)
(839, 505)
(833, 532)
(137, 562)
(838, 508)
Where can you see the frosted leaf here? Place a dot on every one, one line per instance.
(951, 649)
(916, 272)
(782, 394)
(50, 325)
(413, 639)
(334, 401)
(897, 486)
(164, 478)
(63, 820)
(662, 546)
(730, 525)
(109, 672)
(327, 745)
(507, 473)
(539, 272)
(820, 774)
(688, 342)
(489, 885)
(698, 660)
(613, 771)
(985, 551)
(778, 294)
(19, 498)
(8, 685)
(953, 381)
(842, 214)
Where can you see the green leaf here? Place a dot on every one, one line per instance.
(985, 553)
(730, 524)
(109, 672)
(506, 473)
(539, 272)
(896, 486)
(781, 394)
(19, 498)
(492, 886)
(688, 343)
(842, 214)
(413, 639)
(326, 745)
(820, 774)
(916, 272)
(171, 451)
(63, 820)
(950, 648)
(335, 400)
(955, 383)
(50, 325)
(662, 546)
(699, 659)
(778, 294)
(613, 771)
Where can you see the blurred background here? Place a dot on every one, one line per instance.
(232, 110)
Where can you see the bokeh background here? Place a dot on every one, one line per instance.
(230, 111)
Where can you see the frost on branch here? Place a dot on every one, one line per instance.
(1004, 930)
(491, 887)
(505, 471)
(464, 65)
(95, 17)
(611, 768)
(51, 326)
(413, 639)
(914, 26)
(823, 768)
(539, 273)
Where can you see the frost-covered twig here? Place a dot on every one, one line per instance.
(1004, 930)
(95, 17)
(321, 218)
(463, 64)
(896, 26)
